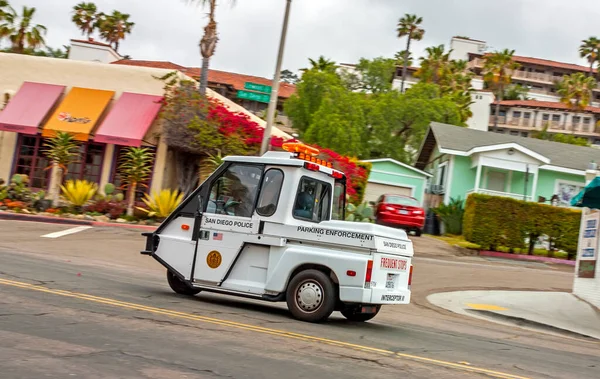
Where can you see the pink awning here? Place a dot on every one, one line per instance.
(129, 120)
(29, 107)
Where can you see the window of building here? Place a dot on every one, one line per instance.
(596, 141)
(88, 164)
(555, 117)
(586, 121)
(524, 134)
(269, 193)
(545, 117)
(500, 131)
(115, 177)
(516, 114)
(514, 133)
(576, 120)
(234, 192)
(527, 115)
(313, 200)
(31, 161)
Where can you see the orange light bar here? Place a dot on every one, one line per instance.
(296, 147)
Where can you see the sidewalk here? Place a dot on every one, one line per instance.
(554, 312)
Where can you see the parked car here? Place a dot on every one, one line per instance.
(400, 211)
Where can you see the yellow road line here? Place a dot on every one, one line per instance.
(254, 328)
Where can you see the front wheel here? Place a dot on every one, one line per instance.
(351, 314)
(311, 296)
(179, 286)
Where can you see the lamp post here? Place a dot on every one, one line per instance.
(275, 87)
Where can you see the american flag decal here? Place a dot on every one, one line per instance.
(218, 236)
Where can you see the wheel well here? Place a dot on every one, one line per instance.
(312, 266)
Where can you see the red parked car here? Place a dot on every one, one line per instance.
(400, 211)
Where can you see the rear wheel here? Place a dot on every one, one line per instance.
(352, 315)
(179, 286)
(418, 232)
(311, 296)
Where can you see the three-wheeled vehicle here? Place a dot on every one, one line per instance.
(271, 228)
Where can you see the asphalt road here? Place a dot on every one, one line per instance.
(88, 305)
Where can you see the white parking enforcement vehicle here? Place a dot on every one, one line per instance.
(269, 228)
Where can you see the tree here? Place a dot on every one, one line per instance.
(61, 150)
(575, 90)
(289, 77)
(3, 9)
(435, 66)
(562, 138)
(135, 168)
(114, 27)
(590, 50)
(376, 76)
(497, 73)
(85, 17)
(401, 57)
(516, 92)
(322, 64)
(409, 26)
(20, 30)
(208, 43)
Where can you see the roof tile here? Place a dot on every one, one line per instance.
(544, 104)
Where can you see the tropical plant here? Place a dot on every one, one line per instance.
(322, 64)
(208, 43)
(84, 17)
(3, 9)
(516, 92)
(451, 215)
(497, 73)
(18, 189)
(575, 90)
(114, 28)
(20, 30)
(78, 192)
(590, 50)
(361, 213)
(162, 204)
(61, 150)
(401, 58)
(135, 168)
(289, 77)
(409, 26)
(435, 67)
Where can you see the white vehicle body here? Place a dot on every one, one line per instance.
(259, 251)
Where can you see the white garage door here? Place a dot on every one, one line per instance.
(374, 190)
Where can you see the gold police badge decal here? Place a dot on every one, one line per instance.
(213, 259)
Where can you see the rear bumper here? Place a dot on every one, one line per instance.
(373, 296)
(396, 220)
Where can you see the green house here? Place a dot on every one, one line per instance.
(391, 177)
(464, 161)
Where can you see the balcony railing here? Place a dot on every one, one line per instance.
(515, 196)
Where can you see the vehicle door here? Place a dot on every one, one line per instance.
(227, 221)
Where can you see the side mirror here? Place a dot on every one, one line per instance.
(372, 203)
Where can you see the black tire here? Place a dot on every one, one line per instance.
(418, 232)
(359, 317)
(318, 289)
(180, 286)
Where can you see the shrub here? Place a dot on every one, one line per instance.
(362, 213)
(79, 192)
(114, 209)
(492, 221)
(452, 216)
(162, 204)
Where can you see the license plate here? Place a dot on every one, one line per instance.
(390, 283)
(403, 212)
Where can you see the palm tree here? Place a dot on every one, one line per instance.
(114, 27)
(436, 66)
(135, 168)
(401, 57)
(497, 73)
(20, 30)
(408, 26)
(590, 50)
(61, 150)
(208, 43)
(3, 8)
(84, 16)
(322, 64)
(575, 90)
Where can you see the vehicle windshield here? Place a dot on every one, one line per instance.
(401, 200)
(339, 201)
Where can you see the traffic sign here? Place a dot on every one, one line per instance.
(254, 96)
(257, 87)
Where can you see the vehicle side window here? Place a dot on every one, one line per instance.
(312, 200)
(269, 193)
(234, 192)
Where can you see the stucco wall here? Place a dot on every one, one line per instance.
(463, 178)
(393, 174)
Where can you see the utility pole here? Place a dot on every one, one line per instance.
(266, 142)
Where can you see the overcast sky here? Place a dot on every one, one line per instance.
(342, 30)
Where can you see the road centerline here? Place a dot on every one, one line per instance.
(66, 232)
(259, 329)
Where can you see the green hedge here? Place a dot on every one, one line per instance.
(493, 221)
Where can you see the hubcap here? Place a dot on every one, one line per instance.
(309, 296)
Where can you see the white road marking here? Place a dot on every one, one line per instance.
(66, 232)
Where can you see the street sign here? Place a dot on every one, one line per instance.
(257, 87)
(254, 96)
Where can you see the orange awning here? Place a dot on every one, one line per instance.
(78, 113)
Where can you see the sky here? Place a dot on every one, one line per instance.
(341, 30)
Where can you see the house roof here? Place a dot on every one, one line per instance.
(236, 81)
(91, 42)
(546, 63)
(544, 104)
(456, 138)
(416, 170)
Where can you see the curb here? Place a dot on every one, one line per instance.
(519, 321)
(529, 258)
(69, 221)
